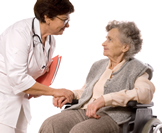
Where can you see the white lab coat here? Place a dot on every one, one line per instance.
(20, 65)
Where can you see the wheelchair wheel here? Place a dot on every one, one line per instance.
(151, 125)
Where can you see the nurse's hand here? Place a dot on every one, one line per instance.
(68, 94)
(59, 102)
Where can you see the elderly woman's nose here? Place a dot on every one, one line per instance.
(104, 43)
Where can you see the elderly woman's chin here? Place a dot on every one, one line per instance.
(105, 54)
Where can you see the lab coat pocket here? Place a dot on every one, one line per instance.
(12, 109)
(3, 104)
(13, 103)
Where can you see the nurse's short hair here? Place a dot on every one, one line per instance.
(52, 8)
(129, 34)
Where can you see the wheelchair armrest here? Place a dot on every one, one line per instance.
(134, 104)
(74, 101)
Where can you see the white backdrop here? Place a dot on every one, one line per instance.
(81, 43)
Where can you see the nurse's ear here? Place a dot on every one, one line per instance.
(47, 20)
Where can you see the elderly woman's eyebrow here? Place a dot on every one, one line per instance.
(108, 37)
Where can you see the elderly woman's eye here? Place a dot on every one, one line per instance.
(109, 39)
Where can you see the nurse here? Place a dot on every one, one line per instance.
(26, 50)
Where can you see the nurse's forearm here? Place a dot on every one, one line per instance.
(39, 89)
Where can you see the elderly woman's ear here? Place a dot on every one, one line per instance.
(125, 48)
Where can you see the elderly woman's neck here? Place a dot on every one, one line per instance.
(115, 62)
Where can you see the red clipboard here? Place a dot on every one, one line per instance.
(48, 77)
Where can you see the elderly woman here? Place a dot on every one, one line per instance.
(110, 84)
(26, 50)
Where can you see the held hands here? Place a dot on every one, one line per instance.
(93, 107)
(62, 96)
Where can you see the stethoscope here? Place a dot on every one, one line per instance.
(35, 35)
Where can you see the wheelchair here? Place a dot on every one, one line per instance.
(142, 120)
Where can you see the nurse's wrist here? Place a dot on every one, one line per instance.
(53, 92)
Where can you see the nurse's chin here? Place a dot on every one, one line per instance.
(60, 32)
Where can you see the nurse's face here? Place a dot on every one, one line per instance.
(57, 25)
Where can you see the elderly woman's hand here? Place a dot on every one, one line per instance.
(93, 107)
(63, 96)
(59, 102)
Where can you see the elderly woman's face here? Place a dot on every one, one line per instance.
(58, 24)
(113, 48)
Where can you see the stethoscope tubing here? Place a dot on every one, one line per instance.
(35, 35)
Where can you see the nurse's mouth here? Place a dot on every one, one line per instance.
(63, 29)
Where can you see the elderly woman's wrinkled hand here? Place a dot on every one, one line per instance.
(93, 107)
(59, 102)
(68, 94)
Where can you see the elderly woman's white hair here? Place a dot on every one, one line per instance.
(129, 34)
